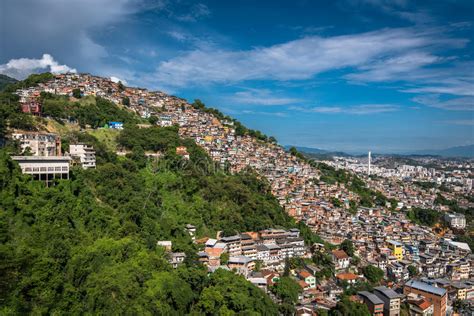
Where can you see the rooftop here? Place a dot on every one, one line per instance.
(425, 287)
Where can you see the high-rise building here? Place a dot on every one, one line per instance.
(370, 161)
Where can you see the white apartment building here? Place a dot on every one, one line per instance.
(455, 220)
(85, 154)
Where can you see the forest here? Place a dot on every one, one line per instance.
(88, 244)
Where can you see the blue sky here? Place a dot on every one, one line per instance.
(353, 75)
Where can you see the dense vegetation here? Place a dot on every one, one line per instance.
(368, 197)
(427, 217)
(92, 112)
(88, 245)
(5, 81)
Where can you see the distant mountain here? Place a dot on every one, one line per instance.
(5, 81)
(459, 151)
(308, 150)
(318, 153)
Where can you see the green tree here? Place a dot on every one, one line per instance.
(126, 101)
(76, 93)
(373, 274)
(287, 290)
(348, 247)
(413, 271)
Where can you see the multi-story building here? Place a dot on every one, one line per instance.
(341, 259)
(39, 144)
(396, 248)
(44, 168)
(455, 220)
(373, 302)
(435, 295)
(391, 300)
(84, 154)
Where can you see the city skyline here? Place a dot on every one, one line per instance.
(385, 76)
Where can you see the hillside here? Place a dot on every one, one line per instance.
(88, 244)
(5, 81)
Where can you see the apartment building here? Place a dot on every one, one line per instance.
(435, 295)
(391, 300)
(83, 154)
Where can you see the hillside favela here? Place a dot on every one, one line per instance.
(237, 157)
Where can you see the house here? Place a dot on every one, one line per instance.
(373, 302)
(308, 278)
(350, 278)
(182, 151)
(167, 244)
(176, 258)
(116, 125)
(419, 306)
(340, 259)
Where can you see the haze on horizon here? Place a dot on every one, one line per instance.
(349, 75)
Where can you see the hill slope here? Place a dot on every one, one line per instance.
(88, 244)
(5, 81)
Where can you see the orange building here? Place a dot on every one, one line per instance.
(435, 295)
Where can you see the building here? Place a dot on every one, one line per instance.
(373, 302)
(44, 168)
(176, 258)
(341, 259)
(84, 154)
(308, 278)
(39, 144)
(116, 125)
(455, 220)
(391, 300)
(31, 106)
(396, 249)
(233, 245)
(437, 296)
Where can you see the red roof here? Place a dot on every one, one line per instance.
(347, 276)
(340, 254)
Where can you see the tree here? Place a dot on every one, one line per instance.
(120, 86)
(77, 93)
(126, 101)
(346, 307)
(224, 258)
(413, 271)
(348, 247)
(373, 274)
(287, 290)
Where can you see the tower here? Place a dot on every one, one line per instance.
(370, 160)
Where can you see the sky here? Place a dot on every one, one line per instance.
(390, 76)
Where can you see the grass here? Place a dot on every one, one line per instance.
(106, 136)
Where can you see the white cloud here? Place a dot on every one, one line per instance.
(261, 97)
(117, 80)
(22, 67)
(362, 109)
(304, 58)
(196, 12)
(454, 104)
